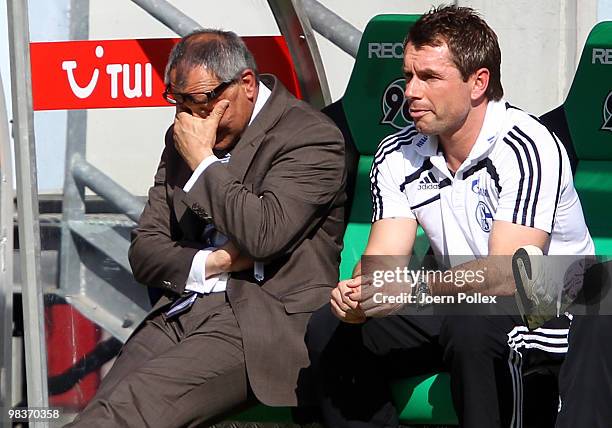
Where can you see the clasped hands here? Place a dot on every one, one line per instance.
(354, 300)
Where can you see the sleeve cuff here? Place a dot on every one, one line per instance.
(221, 283)
(198, 171)
(196, 281)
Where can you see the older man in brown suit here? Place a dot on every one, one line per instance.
(242, 232)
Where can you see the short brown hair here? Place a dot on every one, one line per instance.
(471, 42)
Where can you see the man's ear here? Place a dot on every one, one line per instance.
(249, 83)
(481, 83)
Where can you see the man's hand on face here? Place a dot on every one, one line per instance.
(365, 292)
(342, 303)
(195, 137)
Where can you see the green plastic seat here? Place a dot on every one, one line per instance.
(584, 125)
(424, 400)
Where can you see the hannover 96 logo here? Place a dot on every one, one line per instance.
(607, 113)
(395, 110)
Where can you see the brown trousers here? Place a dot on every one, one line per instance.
(184, 371)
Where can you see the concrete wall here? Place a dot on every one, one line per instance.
(541, 42)
(604, 10)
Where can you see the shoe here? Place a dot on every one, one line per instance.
(546, 285)
(537, 303)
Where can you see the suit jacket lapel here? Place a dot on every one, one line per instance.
(253, 136)
(243, 154)
(179, 208)
(177, 174)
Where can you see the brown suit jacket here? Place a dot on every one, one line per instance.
(281, 200)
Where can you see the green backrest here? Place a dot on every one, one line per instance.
(373, 105)
(374, 95)
(588, 111)
(588, 106)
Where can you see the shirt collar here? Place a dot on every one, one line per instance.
(426, 145)
(491, 128)
(263, 94)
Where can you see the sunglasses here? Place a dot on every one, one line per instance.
(198, 98)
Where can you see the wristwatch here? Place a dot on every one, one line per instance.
(422, 292)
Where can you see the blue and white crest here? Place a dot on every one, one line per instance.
(479, 190)
(484, 216)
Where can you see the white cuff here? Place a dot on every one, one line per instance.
(199, 170)
(221, 284)
(197, 281)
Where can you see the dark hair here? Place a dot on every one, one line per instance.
(471, 42)
(221, 52)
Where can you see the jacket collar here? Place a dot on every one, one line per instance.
(243, 153)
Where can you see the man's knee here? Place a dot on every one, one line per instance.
(321, 329)
(472, 339)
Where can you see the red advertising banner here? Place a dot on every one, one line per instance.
(126, 73)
